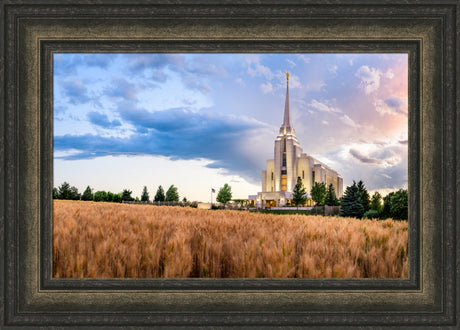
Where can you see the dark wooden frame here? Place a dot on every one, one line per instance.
(33, 30)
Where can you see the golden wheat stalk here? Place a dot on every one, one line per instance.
(108, 240)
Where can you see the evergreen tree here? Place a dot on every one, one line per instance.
(64, 191)
(74, 194)
(160, 195)
(365, 198)
(172, 195)
(298, 195)
(318, 193)
(399, 205)
(55, 193)
(331, 198)
(126, 195)
(351, 202)
(145, 195)
(376, 202)
(225, 194)
(87, 194)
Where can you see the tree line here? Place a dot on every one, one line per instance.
(65, 191)
(356, 201)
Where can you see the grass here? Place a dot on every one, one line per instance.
(110, 240)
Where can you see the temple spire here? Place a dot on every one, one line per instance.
(286, 127)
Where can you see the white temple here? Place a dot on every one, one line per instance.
(280, 177)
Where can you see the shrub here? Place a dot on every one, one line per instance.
(371, 214)
(100, 196)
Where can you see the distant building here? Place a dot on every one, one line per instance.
(280, 177)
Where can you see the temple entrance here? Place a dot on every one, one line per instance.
(270, 203)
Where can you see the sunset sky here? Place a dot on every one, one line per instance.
(125, 121)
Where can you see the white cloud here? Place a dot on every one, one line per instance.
(392, 105)
(291, 63)
(294, 81)
(319, 106)
(257, 69)
(373, 154)
(315, 86)
(351, 62)
(325, 122)
(304, 58)
(266, 88)
(240, 82)
(348, 121)
(332, 69)
(370, 78)
(389, 74)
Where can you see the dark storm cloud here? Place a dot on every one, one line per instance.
(191, 72)
(174, 133)
(122, 88)
(66, 64)
(363, 158)
(140, 62)
(75, 91)
(396, 104)
(102, 120)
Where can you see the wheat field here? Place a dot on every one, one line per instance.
(109, 240)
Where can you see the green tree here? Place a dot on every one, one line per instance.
(351, 202)
(87, 194)
(331, 198)
(225, 194)
(376, 202)
(365, 198)
(55, 193)
(145, 195)
(126, 195)
(171, 194)
(100, 196)
(116, 198)
(64, 191)
(160, 195)
(298, 195)
(399, 205)
(386, 210)
(110, 196)
(318, 193)
(74, 194)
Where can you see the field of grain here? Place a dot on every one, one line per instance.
(108, 240)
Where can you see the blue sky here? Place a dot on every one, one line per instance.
(201, 120)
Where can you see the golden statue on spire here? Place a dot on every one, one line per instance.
(287, 77)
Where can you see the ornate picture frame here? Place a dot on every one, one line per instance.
(33, 30)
